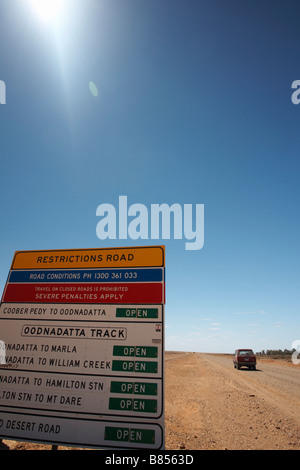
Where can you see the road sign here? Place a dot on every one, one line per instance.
(92, 258)
(145, 292)
(84, 359)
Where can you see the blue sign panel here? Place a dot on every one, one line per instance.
(89, 275)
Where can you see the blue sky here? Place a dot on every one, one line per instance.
(193, 107)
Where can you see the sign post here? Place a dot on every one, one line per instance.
(82, 339)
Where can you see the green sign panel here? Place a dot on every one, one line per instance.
(135, 351)
(141, 367)
(133, 404)
(137, 313)
(142, 436)
(135, 388)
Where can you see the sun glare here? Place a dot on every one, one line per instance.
(47, 9)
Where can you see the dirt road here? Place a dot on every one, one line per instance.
(211, 405)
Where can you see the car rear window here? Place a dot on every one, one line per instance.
(246, 352)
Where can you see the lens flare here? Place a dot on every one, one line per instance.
(47, 9)
(93, 89)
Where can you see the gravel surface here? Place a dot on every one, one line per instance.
(211, 405)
